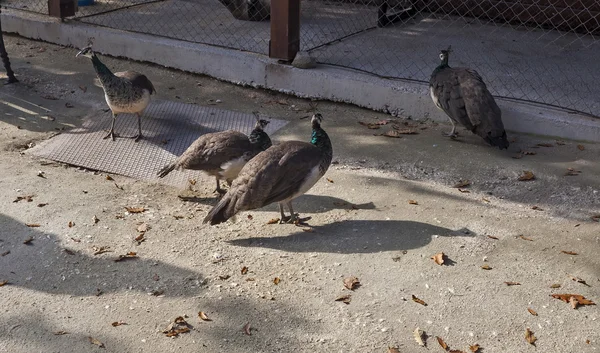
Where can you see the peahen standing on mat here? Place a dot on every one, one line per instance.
(464, 97)
(222, 154)
(125, 92)
(280, 174)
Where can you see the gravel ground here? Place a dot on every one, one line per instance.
(387, 206)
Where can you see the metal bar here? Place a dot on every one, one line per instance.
(4, 55)
(285, 29)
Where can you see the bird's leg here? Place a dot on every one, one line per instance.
(112, 133)
(452, 133)
(139, 135)
(283, 218)
(293, 216)
(218, 189)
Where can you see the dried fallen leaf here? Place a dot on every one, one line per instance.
(392, 133)
(455, 351)
(344, 298)
(555, 285)
(329, 180)
(572, 172)
(413, 202)
(532, 312)
(71, 224)
(474, 348)
(3, 283)
(573, 299)
(417, 300)
(178, 326)
(351, 283)
(118, 323)
(530, 337)
(101, 249)
(569, 252)
(464, 191)
(372, 126)
(202, 315)
(42, 204)
(493, 237)
(527, 175)
(512, 283)
(580, 280)
(28, 198)
(404, 131)
(135, 209)
(276, 280)
(418, 334)
(96, 342)
(525, 238)
(143, 228)
(486, 267)
(250, 217)
(28, 240)
(545, 145)
(581, 147)
(529, 153)
(224, 277)
(128, 256)
(109, 178)
(140, 238)
(83, 88)
(244, 270)
(595, 218)
(537, 208)
(442, 343)
(69, 251)
(439, 258)
(273, 221)
(192, 181)
(462, 183)
(5, 253)
(95, 219)
(246, 329)
(60, 333)
(32, 225)
(393, 350)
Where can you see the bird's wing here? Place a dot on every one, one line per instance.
(447, 89)
(274, 175)
(211, 150)
(137, 80)
(480, 105)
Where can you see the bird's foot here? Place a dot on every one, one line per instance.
(220, 191)
(452, 135)
(293, 219)
(111, 134)
(11, 80)
(137, 137)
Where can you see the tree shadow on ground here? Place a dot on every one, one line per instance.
(355, 237)
(44, 265)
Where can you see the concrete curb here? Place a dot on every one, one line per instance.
(396, 97)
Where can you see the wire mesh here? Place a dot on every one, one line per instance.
(534, 50)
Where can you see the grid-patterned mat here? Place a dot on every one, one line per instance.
(168, 128)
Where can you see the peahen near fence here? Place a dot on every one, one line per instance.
(542, 51)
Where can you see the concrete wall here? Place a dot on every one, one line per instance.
(397, 97)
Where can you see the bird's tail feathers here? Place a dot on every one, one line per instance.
(221, 212)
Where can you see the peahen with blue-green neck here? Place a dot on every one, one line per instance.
(280, 174)
(125, 92)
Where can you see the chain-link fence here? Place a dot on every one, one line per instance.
(537, 50)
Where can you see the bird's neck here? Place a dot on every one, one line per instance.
(260, 139)
(320, 139)
(102, 71)
(441, 66)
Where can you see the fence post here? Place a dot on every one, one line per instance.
(285, 29)
(4, 56)
(62, 8)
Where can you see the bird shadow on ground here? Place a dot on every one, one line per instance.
(355, 236)
(44, 265)
(307, 203)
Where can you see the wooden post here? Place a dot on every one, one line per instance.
(285, 29)
(4, 56)
(62, 8)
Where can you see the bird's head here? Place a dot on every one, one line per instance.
(87, 52)
(262, 123)
(316, 120)
(444, 54)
